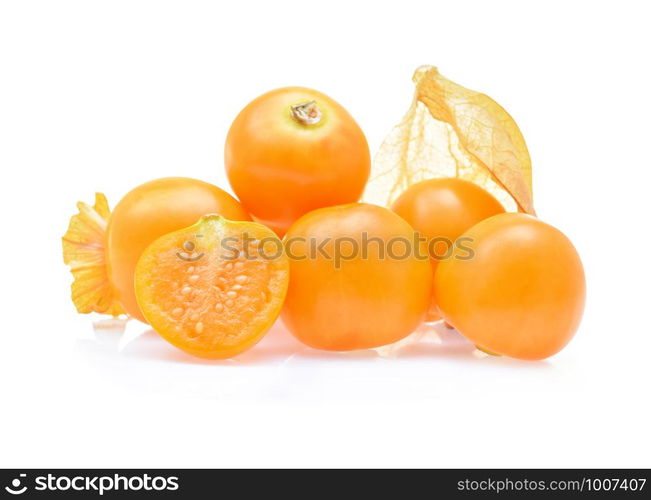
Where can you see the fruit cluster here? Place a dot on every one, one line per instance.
(211, 274)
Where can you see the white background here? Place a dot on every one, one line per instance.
(102, 96)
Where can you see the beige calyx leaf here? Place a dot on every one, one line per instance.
(450, 131)
(83, 251)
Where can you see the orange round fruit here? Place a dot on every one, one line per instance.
(150, 211)
(516, 289)
(215, 288)
(441, 210)
(355, 280)
(293, 150)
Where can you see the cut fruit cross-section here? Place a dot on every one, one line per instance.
(215, 288)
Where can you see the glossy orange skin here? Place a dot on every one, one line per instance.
(150, 211)
(364, 303)
(281, 169)
(521, 295)
(444, 208)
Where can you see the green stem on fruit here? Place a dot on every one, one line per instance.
(306, 113)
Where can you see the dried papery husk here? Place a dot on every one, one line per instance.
(84, 251)
(450, 131)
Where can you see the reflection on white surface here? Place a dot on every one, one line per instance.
(434, 361)
(136, 340)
